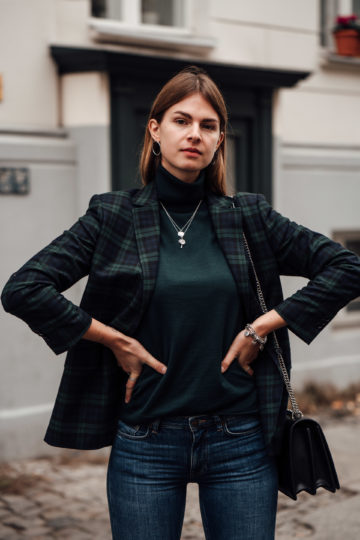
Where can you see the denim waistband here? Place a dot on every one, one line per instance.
(200, 421)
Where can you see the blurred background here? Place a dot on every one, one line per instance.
(77, 78)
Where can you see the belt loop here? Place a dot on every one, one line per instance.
(154, 426)
(219, 422)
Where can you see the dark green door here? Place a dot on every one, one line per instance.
(130, 104)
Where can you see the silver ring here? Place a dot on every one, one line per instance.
(132, 378)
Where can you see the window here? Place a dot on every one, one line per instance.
(329, 9)
(149, 23)
(350, 315)
(151, 12)
(162, 12)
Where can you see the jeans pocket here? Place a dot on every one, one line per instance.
(132, 431)
(238, 426)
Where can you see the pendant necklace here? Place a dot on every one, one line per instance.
(181, 231)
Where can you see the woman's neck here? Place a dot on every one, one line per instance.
(176, 194)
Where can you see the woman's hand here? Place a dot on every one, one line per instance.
(131, 356)
(243, 347)
(129, 353)
(244, 350)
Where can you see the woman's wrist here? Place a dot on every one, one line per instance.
(106, 335)
(256, 339)
(267, 323)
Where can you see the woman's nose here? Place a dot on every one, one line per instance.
(194, 133)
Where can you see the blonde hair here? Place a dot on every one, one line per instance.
(188, 81)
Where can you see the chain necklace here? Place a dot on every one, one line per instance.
(181, 230)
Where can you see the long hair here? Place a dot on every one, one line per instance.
(188, 81)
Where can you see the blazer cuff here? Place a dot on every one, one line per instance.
(64, 338)
(305, 326)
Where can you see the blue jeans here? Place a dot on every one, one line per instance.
(151, 465)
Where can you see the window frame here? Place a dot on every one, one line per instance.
(329, 10)
(132, 31)
(131, 13)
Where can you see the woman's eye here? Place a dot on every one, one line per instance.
(180, 121)
(209, 127)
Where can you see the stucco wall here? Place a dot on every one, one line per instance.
(29, 370)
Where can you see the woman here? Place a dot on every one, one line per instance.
(159, 363)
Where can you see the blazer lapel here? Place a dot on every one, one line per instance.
(227, 222)
(147, 232)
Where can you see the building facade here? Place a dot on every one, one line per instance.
(77, 78)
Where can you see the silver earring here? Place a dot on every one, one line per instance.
(158, 149)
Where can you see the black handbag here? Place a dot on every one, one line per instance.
(304, 462)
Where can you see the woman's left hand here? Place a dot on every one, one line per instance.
(244, 350)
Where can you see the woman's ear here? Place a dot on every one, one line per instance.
(220, 140)
(154, 128)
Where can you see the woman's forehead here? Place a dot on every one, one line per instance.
(194, 105)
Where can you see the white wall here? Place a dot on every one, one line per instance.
(66, 167)
(30, 84)
(318, 186)
(85, 106)
(265, 33)
(30, 370)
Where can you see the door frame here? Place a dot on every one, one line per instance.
(233, 81)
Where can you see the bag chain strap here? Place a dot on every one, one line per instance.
(296, 413)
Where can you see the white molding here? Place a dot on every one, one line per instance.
(131, 11)
(149, 35)
(20, 412)
(33, 131)
(345, 7)
(323, 363)
(187, 10)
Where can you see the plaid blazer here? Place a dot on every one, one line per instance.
(116, 243)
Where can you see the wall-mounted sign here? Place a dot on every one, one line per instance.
(14, 180)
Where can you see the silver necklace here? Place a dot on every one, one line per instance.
(181, 230)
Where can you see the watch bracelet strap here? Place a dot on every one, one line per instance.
(294, 405)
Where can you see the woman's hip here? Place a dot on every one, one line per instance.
(189, 446)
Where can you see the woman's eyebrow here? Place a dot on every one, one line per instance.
(187, 115)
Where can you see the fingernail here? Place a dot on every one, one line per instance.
(222, 369)
(163, 369)
(126, 400)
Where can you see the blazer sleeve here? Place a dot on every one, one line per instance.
(33, 293)
(333, 272)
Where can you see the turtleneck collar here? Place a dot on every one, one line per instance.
(177, 194)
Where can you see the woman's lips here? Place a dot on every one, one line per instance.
(192, 151)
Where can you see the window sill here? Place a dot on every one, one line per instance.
(148, 35)
(330, 59)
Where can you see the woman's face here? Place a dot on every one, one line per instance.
(189, 135)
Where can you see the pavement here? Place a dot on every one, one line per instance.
(64, 497)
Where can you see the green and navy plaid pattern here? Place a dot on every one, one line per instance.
(116, 244)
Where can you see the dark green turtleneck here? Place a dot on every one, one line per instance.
(192, 318)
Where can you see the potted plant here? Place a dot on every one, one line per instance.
(347, 35)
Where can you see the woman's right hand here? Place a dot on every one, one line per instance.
(131, 356)
(129, 353)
